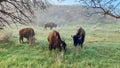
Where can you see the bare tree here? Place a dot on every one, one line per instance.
(105, 7)
(19, 11)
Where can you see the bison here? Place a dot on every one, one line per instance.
(55, 41)
(79, 38)
(27, 33)
(50, 25)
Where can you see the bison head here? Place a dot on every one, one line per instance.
(76, 39)
(63, 45)
(32, 40)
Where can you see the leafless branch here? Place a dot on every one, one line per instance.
(14, 11)
(107, 7)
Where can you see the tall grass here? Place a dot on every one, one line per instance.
(101, 48)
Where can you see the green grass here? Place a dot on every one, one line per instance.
(101, 48)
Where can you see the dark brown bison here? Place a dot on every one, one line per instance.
(27, 33)
(55, 41)
(50, 25)
(79, 38)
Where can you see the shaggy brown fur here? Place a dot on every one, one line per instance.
(80, 31)
(27, 33)
(55, 41)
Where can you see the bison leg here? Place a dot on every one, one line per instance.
(30, 41)
(50, 47)
(65, 49)
(21, 39)
(81, 44)
(60, 48)
(82, 41)
(75, 44)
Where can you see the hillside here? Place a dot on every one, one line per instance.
(70, 14)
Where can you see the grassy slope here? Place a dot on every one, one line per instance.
(101, 49)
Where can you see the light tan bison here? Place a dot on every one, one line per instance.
(27, 33)
(55, 41)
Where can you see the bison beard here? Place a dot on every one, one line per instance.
(55, 41)
(27, 33)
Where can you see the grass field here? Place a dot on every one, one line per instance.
(101, 48)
